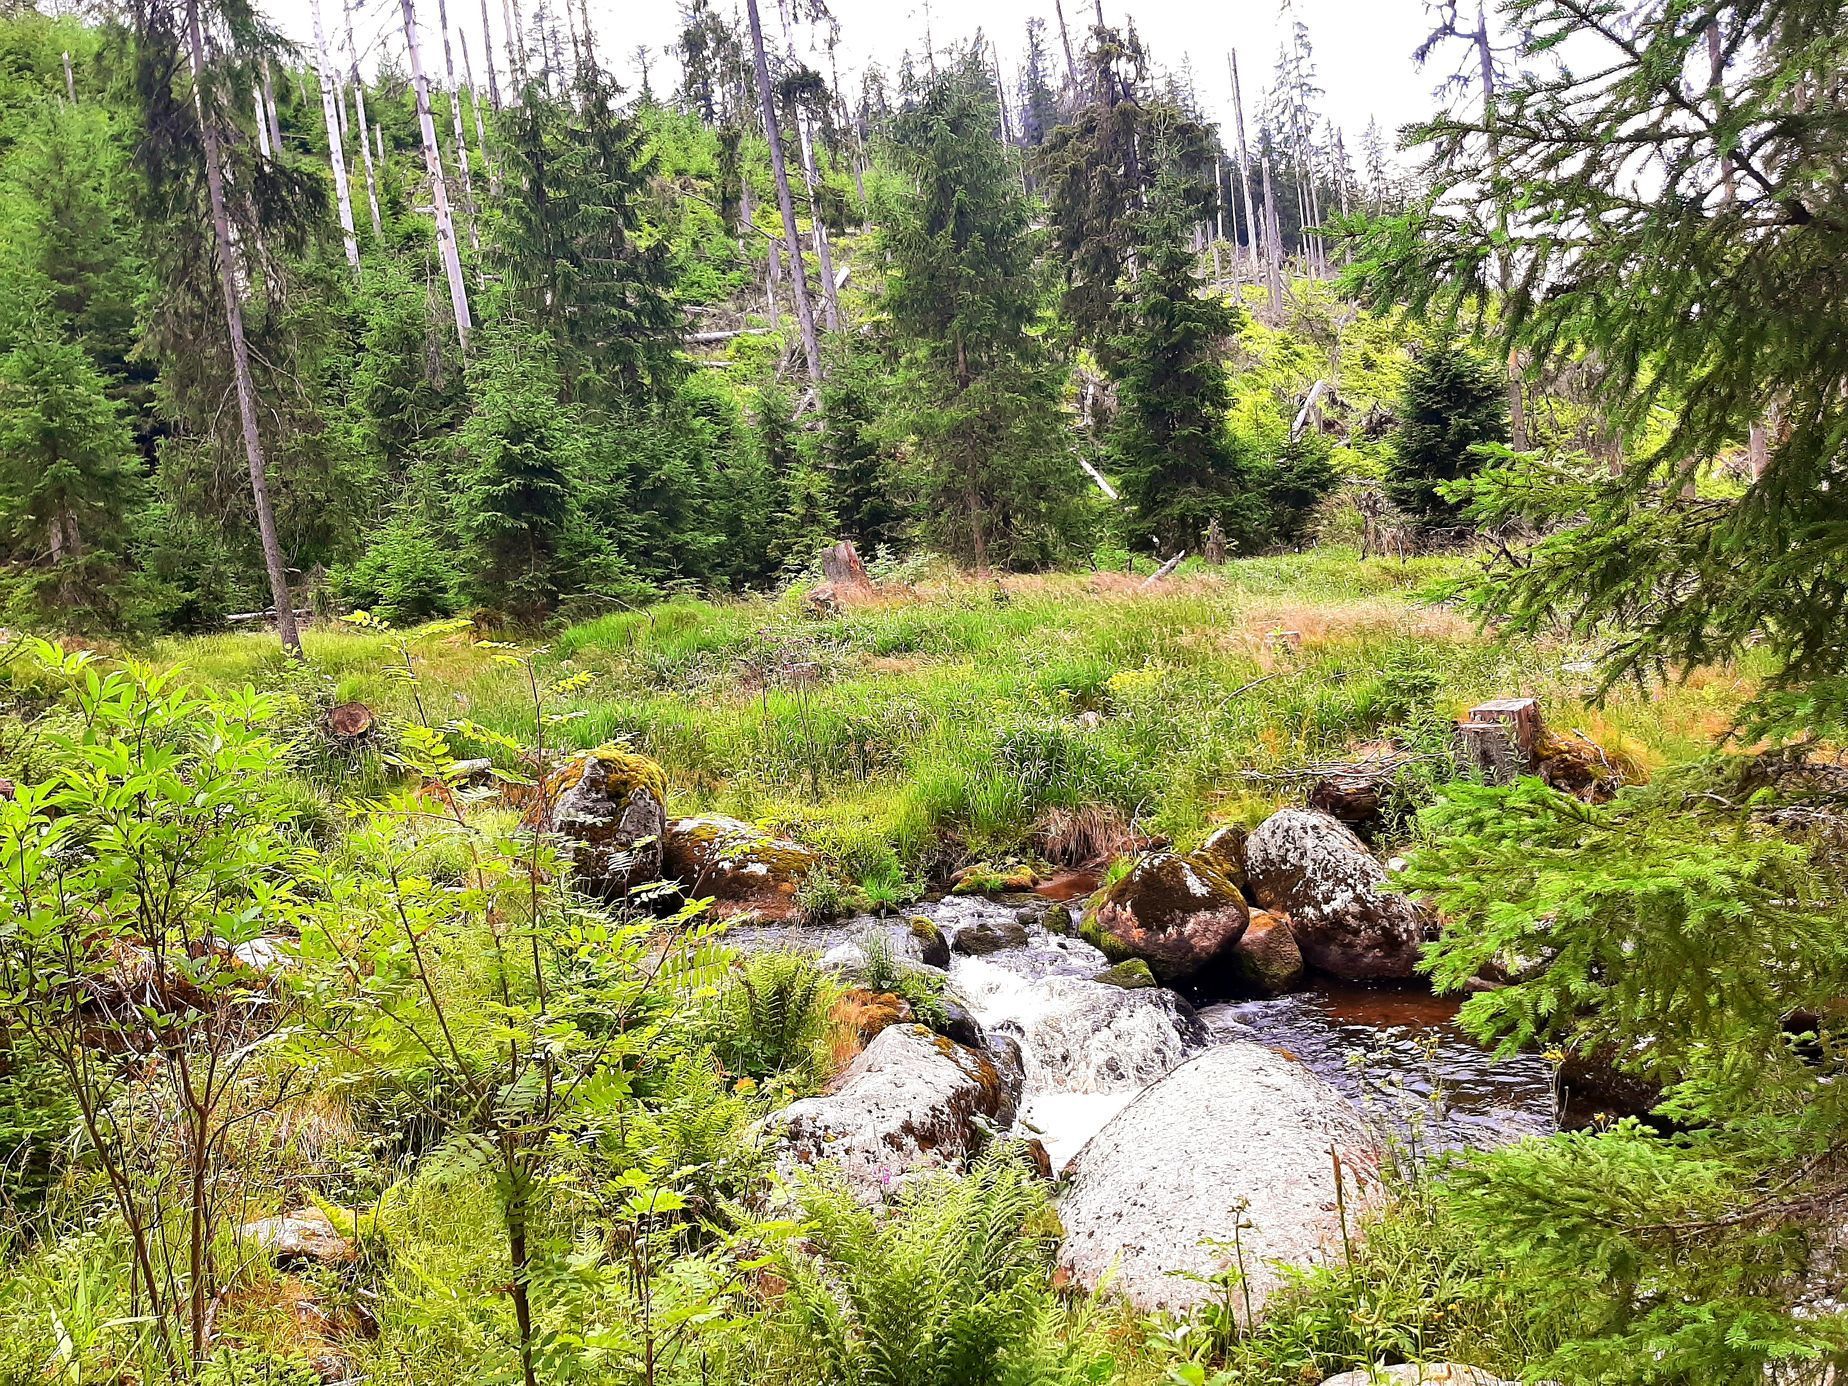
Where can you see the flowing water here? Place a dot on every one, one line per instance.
(1401, 1055)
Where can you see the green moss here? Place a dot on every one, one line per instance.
(1132, 974)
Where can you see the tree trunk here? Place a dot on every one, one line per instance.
(1504, 264)
(1273, 259)
(1071, 63)
(240, 349)
(269, 109)
(439, 189)
(336, 146)
(517, 68)
(487, 46)
(1244, 162)
(474, 100)
(263, 139)
(805, 315)
(455, 112)
(359, 115)
(830, 294)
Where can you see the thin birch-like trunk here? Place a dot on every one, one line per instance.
(336, 143)
(830, 295)
(240, 349)
(359, 115)
(805, 313)
(1065, 37)
(269, 109)
(1273, 244)
(439, 187)
(487, 45)
(1244, 162)
(474, 101)
(455, 111)
(263, 139)
(518, 68)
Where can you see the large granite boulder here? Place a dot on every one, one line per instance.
(741, 867)
(912, 1100)
(1240, 1136)
(607, 804)
(1345, 921)
(1176, 911)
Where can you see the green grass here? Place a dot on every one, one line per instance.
(936, 724)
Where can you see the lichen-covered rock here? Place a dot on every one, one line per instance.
(1346, 923)
(1266, 961)
(1239, 1136)
(912, 1100)
(1131, 975)
(1419, 1374)
(742, 868)
(607, 804)
(305, 1236)
(1176, 911)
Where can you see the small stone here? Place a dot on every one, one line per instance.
(303, 1237)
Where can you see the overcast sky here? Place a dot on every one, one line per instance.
(1363, 48)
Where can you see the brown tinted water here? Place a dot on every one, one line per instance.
(1401, 1054)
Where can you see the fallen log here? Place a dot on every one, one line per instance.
(1162, 571)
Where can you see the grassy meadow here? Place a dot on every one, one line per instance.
(949, 720)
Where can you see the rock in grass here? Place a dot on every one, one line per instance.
(303, 1237)
(1312, 868)
(1130, 975)
(912, 1100)
(607, 804)
(1419, 1374)
(740, 866)
(1176, 911)
(1266, 960)
(1237, 1137)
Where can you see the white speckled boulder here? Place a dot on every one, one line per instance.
(1240, 1132)
(1310, 867)
(912, 1100)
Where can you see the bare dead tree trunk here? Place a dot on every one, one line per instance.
(439, 188)
(1244, 161)
(336, 145)
(1504, 262)
(805, 314)
(269, 109)
(263, 139)
(474, 100)
(70, 78)
(518, 69)
(240, 348)
(487, 45)
(830, 295)
(455, 111)
(1065, 38)
(359, 115)
(1273, 244)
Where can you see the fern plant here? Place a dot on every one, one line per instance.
(772, 1017)
(947, 1288)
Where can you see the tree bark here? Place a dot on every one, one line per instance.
(1065, 38)
(487, 45)
(240, 349)
(805, 314)
(439, 189)
(359, 114)
(455, 111)
(1273, 260)
(269, 109)
(474, 100)
(830, 293)
(336, 145)
(1244, 161)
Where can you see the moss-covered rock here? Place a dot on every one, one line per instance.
(608, 805)
(1225, 848)
(1131, 975)
(1266, 960)
(934, 948)
(739, 866)
(1059, 920)
(1177, 911)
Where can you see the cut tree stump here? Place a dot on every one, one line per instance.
(842, 568)
(1498, 740)
(349, 721)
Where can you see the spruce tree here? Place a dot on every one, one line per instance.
(977, 387)
(69, 480)
(1173, 458)
(1452, 405)
(1715, 292)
